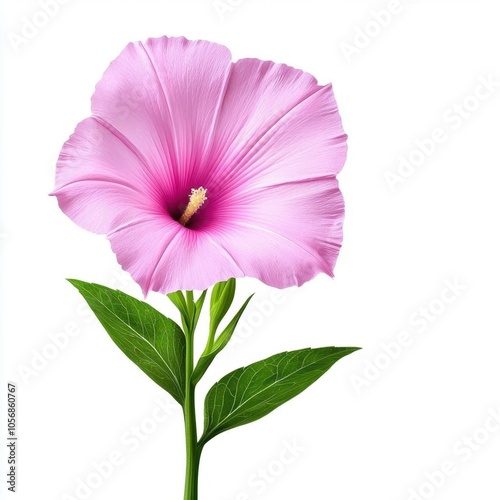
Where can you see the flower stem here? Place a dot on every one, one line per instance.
(193, 451)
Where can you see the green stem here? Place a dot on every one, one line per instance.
(193, 451)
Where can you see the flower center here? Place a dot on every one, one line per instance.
(196, 200)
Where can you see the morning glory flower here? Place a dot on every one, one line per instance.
(199, 169)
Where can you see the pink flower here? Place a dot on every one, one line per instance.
(256, 147)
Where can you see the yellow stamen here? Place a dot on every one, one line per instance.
(196, 200)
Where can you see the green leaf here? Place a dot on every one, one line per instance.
(155, 343)
(206, 358)
(249, 393)
(198, 307)
(177, 298)
(220, 301)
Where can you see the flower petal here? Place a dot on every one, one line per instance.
(276, 125)
(163, 96)
(286, 234)
(177, 258)
(101, 181)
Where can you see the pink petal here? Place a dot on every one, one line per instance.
(286, 234)
(276, 125)
(163, 96)
(101, 182)
(177, 258)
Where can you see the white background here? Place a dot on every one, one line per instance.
(374, 426)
